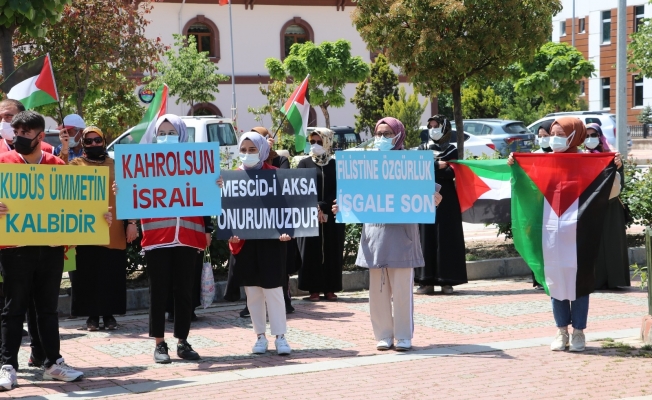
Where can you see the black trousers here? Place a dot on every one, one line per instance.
(164, 266)
(31, 272)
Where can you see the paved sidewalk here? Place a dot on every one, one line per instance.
(488, 340)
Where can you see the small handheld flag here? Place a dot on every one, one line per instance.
(296, 111)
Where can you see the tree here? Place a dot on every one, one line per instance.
(113, 111)
(330, 66)
(554, 74)
(523, 109)
(640, 49)
(480, 103)
(96, 44)
(189, 74)
(29, 17)
(277, 93)
(370, 95)
(645, 116)
(408, 110)
(440, 44)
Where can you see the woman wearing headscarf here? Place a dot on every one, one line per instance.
(544, 137)
(391, 252)
(171, 247)
(442, 242)
(259, 264)
(322, 256)
(99, 284)
(612, 264)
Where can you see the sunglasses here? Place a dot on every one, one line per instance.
(317, 142)
(595, 134)
(90, 141)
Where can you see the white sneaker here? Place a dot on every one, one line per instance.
(403, 344)
(447, 289)
(385, 344)
(8, 379)
(425, 289)
(561, 340)
(59, 371)
(578, 341)
(282, 346)
(261, 345)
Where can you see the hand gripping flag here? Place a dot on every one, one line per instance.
(296, 111)
(144, 131)
(558, 207)
(32, 83)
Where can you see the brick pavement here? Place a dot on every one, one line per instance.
(335, 339)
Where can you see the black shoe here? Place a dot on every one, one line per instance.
(25, 333)
(170, 317)
(245, 313)
(34, 362)
(110, 323)
(161, 354)
(193, 317)
(185, 351)
(93, 324)
(288, 307)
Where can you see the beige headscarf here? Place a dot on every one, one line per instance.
(326, 136)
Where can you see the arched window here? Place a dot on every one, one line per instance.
(206, 34)
(294, 31)
(206, 109)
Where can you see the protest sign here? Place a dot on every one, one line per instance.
(54, 205)
(391, 187)
(264, 204)
(161, 180)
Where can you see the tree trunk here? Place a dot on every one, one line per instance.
(7, 50)
(324, 109)
(192, 109)
(80, 102)
(459, 121)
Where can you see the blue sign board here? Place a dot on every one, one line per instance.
(167, 180)
(391, 187)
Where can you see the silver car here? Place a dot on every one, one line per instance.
(507, 135)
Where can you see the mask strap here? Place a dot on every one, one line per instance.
(570, 138)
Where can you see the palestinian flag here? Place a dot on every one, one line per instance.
(484, 190)
(558, 207)
(296, 111)
(32, 83)
(144, 132)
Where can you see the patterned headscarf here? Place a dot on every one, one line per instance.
(177, 123)
(604, 144)
(570, 125)
(326, 136)
(260, 143)
(397, 127)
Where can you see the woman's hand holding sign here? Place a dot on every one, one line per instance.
(285, 238)
(108, 217)
(3, 210)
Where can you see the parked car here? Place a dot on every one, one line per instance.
(201, 129)
(344, 137)
(606, 120)
(52, 137)
(506, 135)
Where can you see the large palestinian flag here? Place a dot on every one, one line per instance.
(484, 190)
(32, 83)
(558, 207)
(296, 110)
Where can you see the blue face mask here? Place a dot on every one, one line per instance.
(167, 139)
(383, 143)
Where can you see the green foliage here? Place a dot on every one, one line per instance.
(276, 93)
(642, 272)
(480, 103)
(113, 111)
(645, 117)
(554, 74)
(408, 110)
(639, 53)
(330, 66)
(370, 95)
(189, 74)
(637, 192)
(352, 235)
(522, 109)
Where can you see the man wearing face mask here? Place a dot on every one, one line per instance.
(70, 134)
(9, 108)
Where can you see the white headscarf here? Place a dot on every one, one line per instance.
(261, 144)
(177, 123)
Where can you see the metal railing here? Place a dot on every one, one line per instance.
(642, 131)
(343, 145)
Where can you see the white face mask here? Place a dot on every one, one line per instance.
(7, 131)
(317, 149)
(167, 139)
(591, 142)
(249, 160)
(435, 133)
(560, 144)
(544, 142)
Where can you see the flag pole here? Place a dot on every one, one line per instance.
(290, 101)
(234, 106)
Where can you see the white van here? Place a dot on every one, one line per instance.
(201, 129)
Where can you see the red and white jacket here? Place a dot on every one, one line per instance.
(171, 232)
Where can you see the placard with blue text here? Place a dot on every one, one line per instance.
(390, 187)
(167, 180)
(52, 205)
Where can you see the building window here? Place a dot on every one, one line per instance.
(606, 93)
(582, 88)
(202, 34)
(606, 26)
(639, 11)
(562, 28)
(206, 34)
(638, 91)
(581, 25)
(294, 31)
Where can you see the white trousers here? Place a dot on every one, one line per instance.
(391, 287)
(257, 297)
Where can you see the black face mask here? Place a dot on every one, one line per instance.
(95, 152)
(24, 146)
(547, 149)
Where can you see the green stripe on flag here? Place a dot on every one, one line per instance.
(527, 221)
(149, 118)
(492, 169)
(295, 119)
(38, 98)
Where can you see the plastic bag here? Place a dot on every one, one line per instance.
(207, 281)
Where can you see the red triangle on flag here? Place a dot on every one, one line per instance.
(299, 95)
(474, 187)
(562, 177)
(45, 80)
